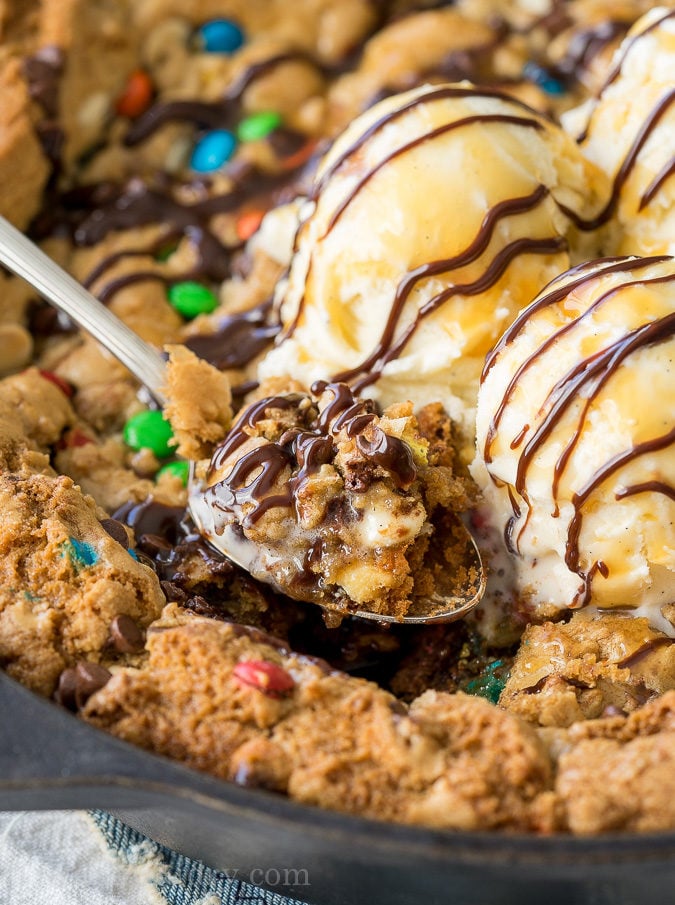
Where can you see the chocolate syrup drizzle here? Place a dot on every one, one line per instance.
(596, 370)
(643, 651)
(389, 346)
(239, 337)
(585, 45)
(91, 213)
(526, 122)
(626, 168)
(615, 71)
(222, 114)
(43, 72)
(301, 450)
(654, 187)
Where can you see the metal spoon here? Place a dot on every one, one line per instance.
(27, 261)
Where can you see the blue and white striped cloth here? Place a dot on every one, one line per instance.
(79, 858)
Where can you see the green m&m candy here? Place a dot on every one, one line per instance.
(149, 430)
(258, 125)
(191, 298)
(177, 469)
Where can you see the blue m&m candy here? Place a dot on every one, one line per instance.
(213, 150)
(220, 36)
(537, 74)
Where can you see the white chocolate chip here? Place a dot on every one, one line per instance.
(178, 154)
(94, 110)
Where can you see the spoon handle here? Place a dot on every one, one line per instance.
(26, 260)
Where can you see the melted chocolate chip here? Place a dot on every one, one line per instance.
(173, 593)
(152, 518)
(537, 687)
(390, 454)
(43, 320)
(42, 72)
(253, 483)
(202, 607)
(238, 339)
(285, 142)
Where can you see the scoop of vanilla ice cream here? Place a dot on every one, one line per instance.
(434, 218)
(629, 132)
(575, 425)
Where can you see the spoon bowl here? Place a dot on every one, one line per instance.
(462, 588)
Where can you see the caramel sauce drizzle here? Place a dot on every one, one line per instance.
(615, 71)
(643, 651)
(389, 350)
(587, 271)
(598, 369)
(435, 94)
(389, 346)
(649, 125)
(526, 122)
(545, 346)
(626, 168)
(472, 252)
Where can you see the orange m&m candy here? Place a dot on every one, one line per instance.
(137, 95)
(248, 224)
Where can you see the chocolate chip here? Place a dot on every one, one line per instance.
(202, 607)
(65, 691)
(77, 684)
(117, 531)
(126, 636)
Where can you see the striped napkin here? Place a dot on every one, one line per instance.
(80, 858)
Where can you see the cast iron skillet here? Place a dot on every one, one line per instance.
(50, 759)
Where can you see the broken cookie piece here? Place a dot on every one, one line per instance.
(588, 667)
(236, 703)
(65, 581)
(200, 402)
(618, 774)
